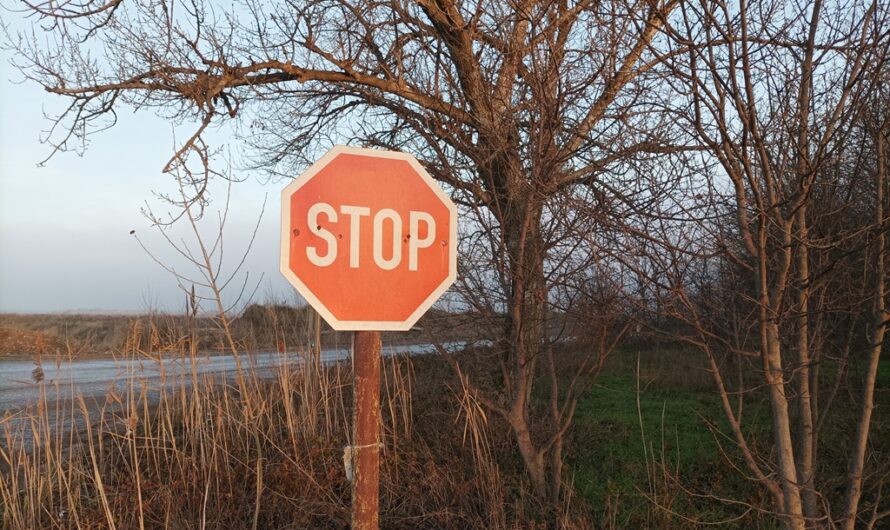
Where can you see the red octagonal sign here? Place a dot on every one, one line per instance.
(368, 238)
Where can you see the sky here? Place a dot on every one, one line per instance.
(65, 243)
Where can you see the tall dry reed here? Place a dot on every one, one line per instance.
(261, 448)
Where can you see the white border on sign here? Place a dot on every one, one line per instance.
(362, 325)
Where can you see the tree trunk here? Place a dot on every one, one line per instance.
(805, 431)
(771, 352)
(526, 304)
(531, 456)
(792, 510)
(860, 444)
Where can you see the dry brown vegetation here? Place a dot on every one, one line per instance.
(85, 334)
(250, 452)
(259, 327)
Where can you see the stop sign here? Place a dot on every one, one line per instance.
(368, 239)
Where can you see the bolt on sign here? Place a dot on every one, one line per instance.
(368, 239)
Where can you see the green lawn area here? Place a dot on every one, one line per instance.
(653, 457)
(657, 446)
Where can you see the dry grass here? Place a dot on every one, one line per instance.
(79, 335)
(257, 451)
(259, 327)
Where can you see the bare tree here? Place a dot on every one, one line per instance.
(204, 256)
(776, 93)
(880, 130)
(510, 104)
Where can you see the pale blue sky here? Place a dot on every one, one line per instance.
(64, 227)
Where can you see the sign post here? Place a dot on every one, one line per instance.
(365, 422)
(370, 241)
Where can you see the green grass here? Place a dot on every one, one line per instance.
(657, 454)
(624, 454)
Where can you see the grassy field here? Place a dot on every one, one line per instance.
(646, 451)
(655, 459)
(651, 446)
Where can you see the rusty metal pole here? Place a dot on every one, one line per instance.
(365, 424)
